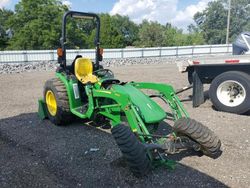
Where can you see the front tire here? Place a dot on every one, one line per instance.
(210, 144)
(133, 151)
(57, 102)
(230, 92)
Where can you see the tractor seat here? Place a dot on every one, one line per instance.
(84, 70)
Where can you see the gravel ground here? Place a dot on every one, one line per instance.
(35, 153)
(10, 68)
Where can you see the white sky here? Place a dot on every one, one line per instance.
(162, 11)
(3, 3)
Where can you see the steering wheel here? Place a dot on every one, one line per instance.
(104, 73)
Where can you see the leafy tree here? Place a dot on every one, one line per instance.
(36, 24)
(176, 37)
(111, 36)
(150, 34)
(4, 35)
(240, 17)
(127, 28)
(195, 36)
(170, 35)
(213, 20)
(116, 31)
(77, 32)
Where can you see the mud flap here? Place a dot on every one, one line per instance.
(198, 90)
(42, 113)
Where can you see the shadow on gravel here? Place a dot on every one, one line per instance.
(35, 153)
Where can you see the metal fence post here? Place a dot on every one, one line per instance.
(210, 50)
(52, 55)
(160, 51)
(122, 53)
(192, 51)
(25, 56)
(142, 52)
(177, 51)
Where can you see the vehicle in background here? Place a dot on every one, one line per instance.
(228, 76)
(242, 44)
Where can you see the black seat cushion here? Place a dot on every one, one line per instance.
(71, 67)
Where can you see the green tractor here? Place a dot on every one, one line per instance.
(86, 90)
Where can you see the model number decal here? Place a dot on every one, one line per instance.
(76, 91)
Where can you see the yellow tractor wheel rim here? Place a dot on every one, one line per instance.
(51, 102)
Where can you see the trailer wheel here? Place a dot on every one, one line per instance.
(57, 102)
(230, 92)
(209, 143)
(133, 151)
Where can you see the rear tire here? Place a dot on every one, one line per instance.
(230, 92)
(63, 115)
(209, 142)
(133, 151)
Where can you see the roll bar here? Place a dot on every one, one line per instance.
(81, 15)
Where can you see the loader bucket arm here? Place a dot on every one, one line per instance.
(167, 94)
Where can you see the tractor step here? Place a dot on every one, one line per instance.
(82, 109)
(42, 113)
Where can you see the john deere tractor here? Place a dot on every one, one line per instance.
(86, 90)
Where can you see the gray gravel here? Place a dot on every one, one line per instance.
(35, 153)
(9, 68)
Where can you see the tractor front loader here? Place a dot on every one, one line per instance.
(85, 90)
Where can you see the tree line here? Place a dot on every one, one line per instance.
(36, 25)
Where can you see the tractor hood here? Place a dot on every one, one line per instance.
(148, 109)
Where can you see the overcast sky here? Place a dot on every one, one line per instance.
(177, 12)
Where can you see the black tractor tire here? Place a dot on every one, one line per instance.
(209, 142)
(132, 149)
(231, 76)
(63, 115)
